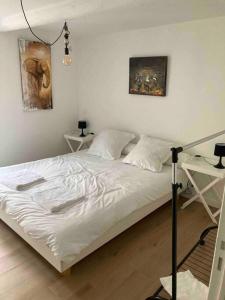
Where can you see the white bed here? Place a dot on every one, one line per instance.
(117, 196)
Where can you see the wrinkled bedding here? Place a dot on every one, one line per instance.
(112, 190)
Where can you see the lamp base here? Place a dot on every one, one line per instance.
(82, 133)
(220, 165)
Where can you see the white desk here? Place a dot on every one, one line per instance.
(200, 165)
(75, 136)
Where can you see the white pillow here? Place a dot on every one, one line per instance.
(149, 153)
(128, 148)
(110, 143)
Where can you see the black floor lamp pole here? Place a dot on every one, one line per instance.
(174, 241)
(175, 187)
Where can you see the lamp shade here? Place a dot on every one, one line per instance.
(219, 149)
(82, 124)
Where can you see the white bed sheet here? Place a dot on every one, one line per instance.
(113, 191)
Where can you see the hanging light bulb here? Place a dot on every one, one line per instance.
(67, 60)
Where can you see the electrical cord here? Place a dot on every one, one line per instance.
(206, 159)
(46, 43)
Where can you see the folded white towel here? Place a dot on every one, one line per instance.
(21, 180)
(68, 203)
(57, 198)
(188, 287)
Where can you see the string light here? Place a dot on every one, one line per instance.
(67, 58)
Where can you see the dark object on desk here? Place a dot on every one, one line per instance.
(82, 125)
(219, 151)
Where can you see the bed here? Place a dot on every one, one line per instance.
(117, 196)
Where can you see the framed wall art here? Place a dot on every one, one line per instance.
(148, 75)
(35, 66)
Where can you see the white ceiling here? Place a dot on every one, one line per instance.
(101, 16)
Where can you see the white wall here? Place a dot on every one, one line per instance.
(28, 136)
(195, 103)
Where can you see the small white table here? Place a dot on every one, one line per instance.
(75, 136)
(200, 165)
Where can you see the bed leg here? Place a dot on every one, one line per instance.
(66, 273)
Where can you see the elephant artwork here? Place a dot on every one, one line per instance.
(35, 63)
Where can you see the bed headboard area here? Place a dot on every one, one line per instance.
(194, 105)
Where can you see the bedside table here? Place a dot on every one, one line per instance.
(200, 165)
(75, 136)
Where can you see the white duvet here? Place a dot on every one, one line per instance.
(112, 191)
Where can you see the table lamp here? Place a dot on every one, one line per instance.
(219, 151)
(82, 125)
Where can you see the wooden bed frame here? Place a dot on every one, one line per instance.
(63, 266)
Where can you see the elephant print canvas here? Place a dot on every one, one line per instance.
(35, 63)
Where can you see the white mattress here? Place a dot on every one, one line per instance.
(114, 190)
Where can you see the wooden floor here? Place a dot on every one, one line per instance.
(127, 268)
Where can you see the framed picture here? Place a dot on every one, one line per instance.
(148, 75)
(35, 66)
